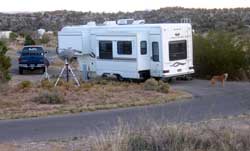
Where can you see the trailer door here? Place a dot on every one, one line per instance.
(155, 48)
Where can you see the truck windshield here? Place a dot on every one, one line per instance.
(31, 51)
(177, 50)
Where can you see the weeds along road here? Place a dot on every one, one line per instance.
(208, 102)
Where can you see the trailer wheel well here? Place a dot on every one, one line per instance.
(119, 77)
(145, 74)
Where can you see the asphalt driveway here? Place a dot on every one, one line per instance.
(208, 102)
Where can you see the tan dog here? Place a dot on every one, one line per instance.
(219, 78)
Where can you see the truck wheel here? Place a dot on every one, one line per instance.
(43, 70)
(20, 70)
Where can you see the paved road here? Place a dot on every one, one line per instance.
(208, 102)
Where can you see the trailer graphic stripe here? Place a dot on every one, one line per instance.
(118, 59)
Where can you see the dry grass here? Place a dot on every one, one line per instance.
(152, 136)
(185, 137)
(18, 100)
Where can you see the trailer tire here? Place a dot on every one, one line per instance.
(187, 78)
(104, 75)
(119, 77)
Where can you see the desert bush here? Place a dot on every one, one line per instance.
(68, 85)
(5, 63)
(220, 52)
(45, 39)
(49, 97)
(13, 36)
(86, 86)
(25, 85)
(29, 40)
(163, 87)
(46, 84)
(154, 85)
(155, 137)
(100, 81)
(151, 85)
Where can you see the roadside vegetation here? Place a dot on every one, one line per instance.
(216, 53)
(153, 136)
(212, 135)
(5, 64)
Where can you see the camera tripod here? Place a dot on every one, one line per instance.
(69, 70)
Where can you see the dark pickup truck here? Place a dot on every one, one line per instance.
(31, 58)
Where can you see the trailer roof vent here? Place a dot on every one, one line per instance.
(91, 23)
(125, 21)
(137, 22)
(109, 23)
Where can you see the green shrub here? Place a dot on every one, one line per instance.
(5, 63)
(13, 36)
(218, 53)
(154, 85)
(49, 97)
(29, 41)
(25, 85)
(45, 39)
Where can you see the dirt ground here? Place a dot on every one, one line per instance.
(25, 100)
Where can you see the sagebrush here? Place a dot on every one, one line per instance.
(49, 97)
(157, 137)
(154, 85)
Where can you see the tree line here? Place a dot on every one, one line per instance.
(203, 20)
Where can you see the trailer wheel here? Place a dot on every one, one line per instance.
(104, 75)
(186, 78)
(189, 78)
(119, 77)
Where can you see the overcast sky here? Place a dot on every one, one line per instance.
(113, 5)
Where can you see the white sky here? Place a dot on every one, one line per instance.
(113, 5)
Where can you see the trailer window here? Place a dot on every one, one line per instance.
(177, 50)
(105, 50)
(155, 51)
(124, 47)
(143, 47)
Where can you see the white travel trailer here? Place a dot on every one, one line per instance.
(135, 50)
